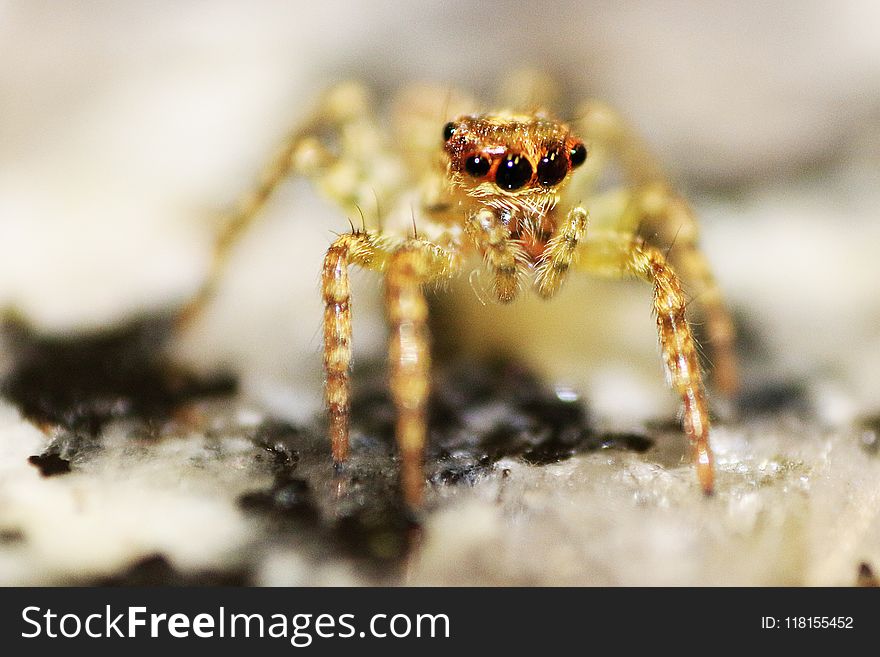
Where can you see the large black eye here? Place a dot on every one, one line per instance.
(552, 168)
(477, 165)
(448, 131)
(578, 154)
(513, 172)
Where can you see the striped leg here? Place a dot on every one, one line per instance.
(620, 254)
(336, 293)
(407, 268)
(663, 218)
(673, 227)
(409, 354)
(410, 364)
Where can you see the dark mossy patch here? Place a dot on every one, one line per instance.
(82, 381)
(382, 533)
(353, 510)
(288, 498)
(481, 412)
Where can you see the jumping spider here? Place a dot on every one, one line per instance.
(521, 190)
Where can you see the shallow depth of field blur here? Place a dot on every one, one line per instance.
(127, 130)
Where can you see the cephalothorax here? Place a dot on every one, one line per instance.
(515, 165)
(515, 188)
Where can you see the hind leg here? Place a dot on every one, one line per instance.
(322, 148)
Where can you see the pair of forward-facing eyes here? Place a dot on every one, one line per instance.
(511, 170)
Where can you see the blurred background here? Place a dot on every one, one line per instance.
(128, 130)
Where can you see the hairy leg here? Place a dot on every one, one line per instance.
(410, 365)
(409, 357)
(407, 267)
(350, 248)
(560, 253)
(669, 223)
(663, 218)
(620, 254)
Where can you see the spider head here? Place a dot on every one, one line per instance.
(511, 161)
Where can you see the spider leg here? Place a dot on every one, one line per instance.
(303, 153)
(673, 226)
(620, 254)
(336, 293)
(663, 218)
(409, 268)
(504, 257)
(560, 253)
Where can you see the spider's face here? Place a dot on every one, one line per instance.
(511, 159)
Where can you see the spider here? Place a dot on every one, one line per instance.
(516, 188)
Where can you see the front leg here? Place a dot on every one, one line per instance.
(407, 266)
(619, 254)
(359, 248)
(663, 218)
(409, 360)
(409, 354)
(671, 224)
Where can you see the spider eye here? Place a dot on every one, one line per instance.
(448, 131)
(552, 168)
(513, 172)
(477, 165)
(577, 154)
